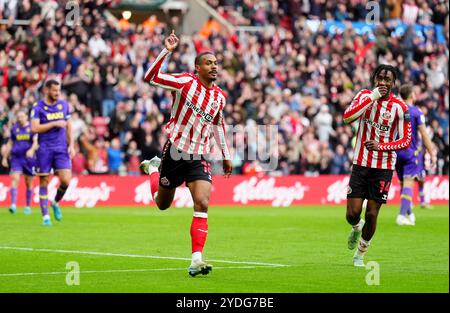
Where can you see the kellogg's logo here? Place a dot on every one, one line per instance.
(265, 190)
(3, 192)
(82, 196)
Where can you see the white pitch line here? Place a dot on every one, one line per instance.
(136, 256)
(124, 271)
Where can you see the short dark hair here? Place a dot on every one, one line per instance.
(198, 58)
(383, 67)
(406, 91)
(51, 82)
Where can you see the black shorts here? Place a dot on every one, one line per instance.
(178, 167)
(369, 183)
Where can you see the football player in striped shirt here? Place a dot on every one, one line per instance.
(197, 113)
(384, 127)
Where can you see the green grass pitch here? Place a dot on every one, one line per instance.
(146, 250)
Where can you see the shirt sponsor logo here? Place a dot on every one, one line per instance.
(55, 116)
(377, 125)
(23, 137)
(206, 116)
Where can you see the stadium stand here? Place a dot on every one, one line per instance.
(294, 70)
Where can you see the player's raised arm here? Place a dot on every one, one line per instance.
(404, 133)
(154, 75)
(360, 103)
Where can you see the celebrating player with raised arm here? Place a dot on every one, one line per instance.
(197, 112)
(382, 117)
(21, 148)
(409, 164)
(50, 119)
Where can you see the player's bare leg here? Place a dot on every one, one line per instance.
(14, 183)
(368, 230)
(406, 216)
(29, 186)
(354, 209)
(200, 191)
(163, 197)
(64, 175)
(43, 199)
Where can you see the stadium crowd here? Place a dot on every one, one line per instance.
(292, 76)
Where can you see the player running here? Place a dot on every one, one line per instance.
(197, 112)
(409, 164)
(50, 119)
(383, 117)
(21, 147)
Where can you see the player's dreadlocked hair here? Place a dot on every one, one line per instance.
(383, 67)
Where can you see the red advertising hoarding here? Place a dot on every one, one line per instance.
(97, 191)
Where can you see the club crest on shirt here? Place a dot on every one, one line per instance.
(386, 115)
(197, 93)
(215, 104)
(45, 107)
(59, 106)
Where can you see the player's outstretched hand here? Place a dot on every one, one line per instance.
(371, 145)
(227, 168)
(171, 42)
(4, 162)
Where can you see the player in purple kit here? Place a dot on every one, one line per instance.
(50, 119)
(409, 164)
(21, 147)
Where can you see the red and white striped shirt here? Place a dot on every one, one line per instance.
(197, 111)
(382, 121)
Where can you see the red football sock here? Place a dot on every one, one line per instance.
(199, 231)
(154, 184)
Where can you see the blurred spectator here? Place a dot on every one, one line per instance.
(79, 162)
(115, 156)
(339, 163)
(132, 159)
